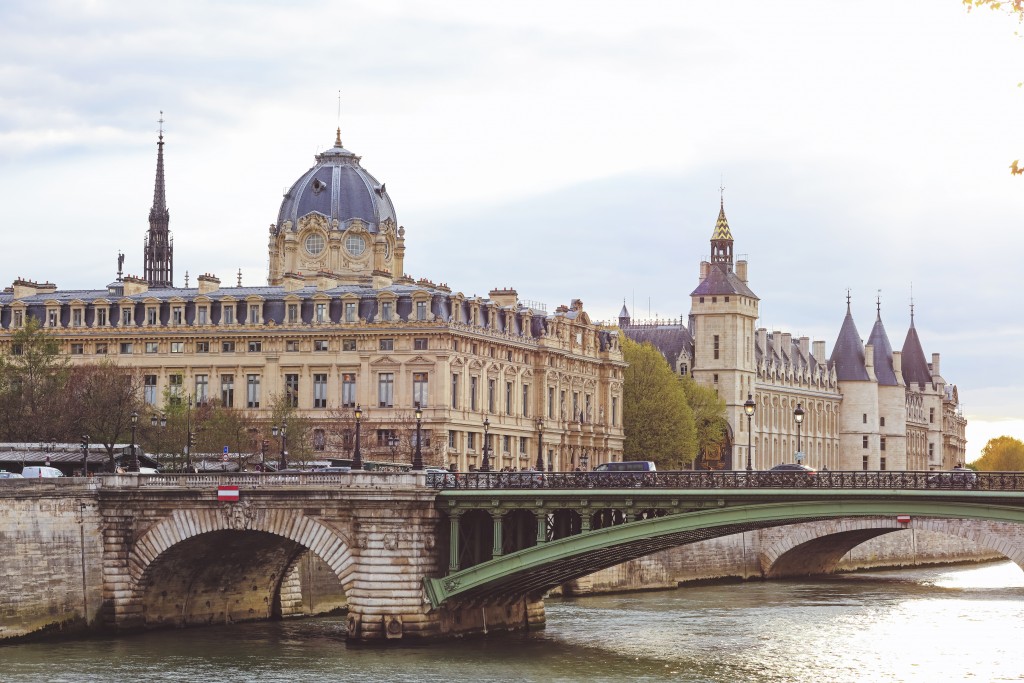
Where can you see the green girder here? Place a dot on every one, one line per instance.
(539, 568)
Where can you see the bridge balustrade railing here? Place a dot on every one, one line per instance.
(734, 479)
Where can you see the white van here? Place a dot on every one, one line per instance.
(35, 472)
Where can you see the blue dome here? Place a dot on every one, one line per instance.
(338, 188)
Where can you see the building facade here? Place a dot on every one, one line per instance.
(864, 407)
(339, 325)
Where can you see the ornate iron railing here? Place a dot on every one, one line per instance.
(856, 479)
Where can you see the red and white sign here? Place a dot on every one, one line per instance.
(229, 493)
(903, 519)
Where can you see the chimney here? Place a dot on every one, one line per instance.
(897, 366)
(869, 361)
(786, 345)
(208, 283)
(293, 281)
(704, 268)
(741, 271)
(805, 347)
(819, 351)
(504, 297)
(135, 285)
(762, 338)
(935, 365)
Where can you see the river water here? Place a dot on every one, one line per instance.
(927, 625)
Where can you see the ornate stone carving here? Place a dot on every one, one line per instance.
(239, 516)
(451, 584)
(391, 541)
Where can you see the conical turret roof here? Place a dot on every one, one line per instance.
(882, 352)
(722, 231)
(915, 367)
(848, 354)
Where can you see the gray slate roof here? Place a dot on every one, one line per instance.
(915, 367)
(848, 354)
(884, 371)
(671, 340)
(721, 280)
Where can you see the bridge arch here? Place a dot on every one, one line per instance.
(224, 564)
(533, 571)
(817, 548)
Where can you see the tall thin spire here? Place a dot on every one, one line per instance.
(158, 248)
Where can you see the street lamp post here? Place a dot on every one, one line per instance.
(263, 455)
(798, 415)
(485, 466)
(283, 432)
(188, 433)
(540, 444)
(85, 455)
(357, 459)
(585, 461)
(417, 461)
(749, 407)
(135, 454)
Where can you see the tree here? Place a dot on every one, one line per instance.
(708, 415)
(1013, 8)
(1001, 454)
(656, 417)
(32, 380)
(102, 398)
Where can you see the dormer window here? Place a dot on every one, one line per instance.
(101, 316)
(254, 314)
(421, 310)
(178, 315)
(350, 311)
(202, 312)
(321, 312)
(51, 317)
(228, 314)
(386, 310)
(19, 319)
(151, 315)
(76, 317)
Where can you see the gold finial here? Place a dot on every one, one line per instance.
(337, 139)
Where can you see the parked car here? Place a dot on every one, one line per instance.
(4, 474)
(34, 472)
(957, 478)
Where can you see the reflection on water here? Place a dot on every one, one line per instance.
(923, 625)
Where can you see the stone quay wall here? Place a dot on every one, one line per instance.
(52, 557)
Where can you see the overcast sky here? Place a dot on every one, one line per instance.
(566, 149)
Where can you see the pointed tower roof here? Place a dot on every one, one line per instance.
(848, 354)
(722, 231)
(915, 367)
(882, 349)
(624, 313)
(159, 209)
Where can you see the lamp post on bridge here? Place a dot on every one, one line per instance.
(283, 432)
(540, 444)
(85, 455)
(749, 407)
(357, 459)
(485, 466)
(417, 461)
(135, 454)
(798, 415)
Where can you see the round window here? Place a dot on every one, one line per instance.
(315, 244)
(355, 245)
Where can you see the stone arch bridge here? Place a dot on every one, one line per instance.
(421, 558)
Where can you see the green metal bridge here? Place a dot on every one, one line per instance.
(515, 535)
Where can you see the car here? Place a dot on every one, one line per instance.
(35, 472)
(957, 478)
(792, 467)
(4, 474)
(627, 466)
(440, 478)
(333, 470)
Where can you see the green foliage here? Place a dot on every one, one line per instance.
(1001, 454)
(32, 380)
(656, 416)
(709, 414)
